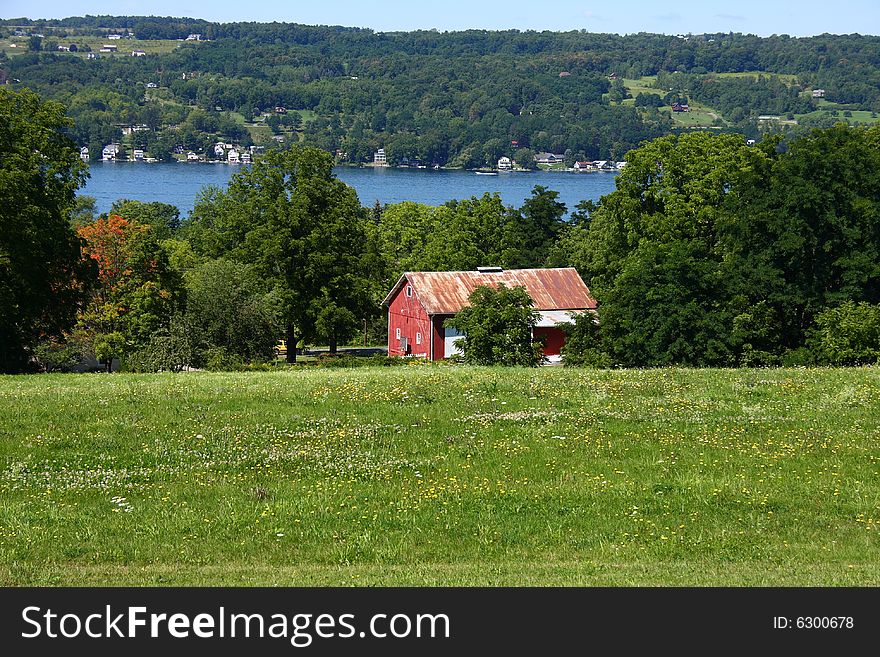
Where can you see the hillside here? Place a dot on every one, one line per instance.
(452, 99)
(427, 475)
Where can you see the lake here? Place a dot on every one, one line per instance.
(179, 183)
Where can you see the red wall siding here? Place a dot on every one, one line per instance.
(554, 338)
(439, 335)
(407, 314)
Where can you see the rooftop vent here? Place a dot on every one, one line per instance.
(490, 270)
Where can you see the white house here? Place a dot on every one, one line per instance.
(583, 166)
(114, 37)
(192, 157)
(138, 53)
(379, 158)
(246, 158)
(220, 149)
(504, 163)
(151, 85)
(84, 153)
(109, 152)
(109, 48)
(138, 154)
(232, 157)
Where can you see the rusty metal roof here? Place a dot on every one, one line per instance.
(447, 292)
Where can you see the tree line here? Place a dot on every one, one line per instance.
(710, 252)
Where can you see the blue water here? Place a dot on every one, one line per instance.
(180, 183)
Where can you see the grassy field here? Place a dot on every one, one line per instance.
(857, 117)
(125, 46)
(427, 475)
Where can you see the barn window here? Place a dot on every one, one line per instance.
(418, 338)
(397, 333)
(409, 290)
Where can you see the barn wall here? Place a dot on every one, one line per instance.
(554, 338)
(407, 314)
(437, 335)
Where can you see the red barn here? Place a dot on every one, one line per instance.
(420, 302)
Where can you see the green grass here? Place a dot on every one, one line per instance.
(427, 475)
(642, 85)
(787, 78)
(699, 116)
(125, 46)
(858, 117)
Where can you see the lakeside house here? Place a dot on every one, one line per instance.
(246, 158)
(379, 158)
(232, 157)
(84, 153)
(110, 152)
(420, 303)
(549, 158)
(504, 164)
(192, 157)
(138, 154)
(583, 166)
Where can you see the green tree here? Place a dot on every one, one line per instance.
(228, 307)
(163, 217)
(43, 278)
(654, 252)
(498, 327)
(301, 229)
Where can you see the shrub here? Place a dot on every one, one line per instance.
(497, 328)
(847, 335)
(583, 343)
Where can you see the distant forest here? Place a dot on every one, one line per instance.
(459, 99)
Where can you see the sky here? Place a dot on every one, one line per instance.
(801, 18)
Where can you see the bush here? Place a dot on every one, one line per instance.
(497, 328)
(220, 359)
(583, 343)
(847, 335)
(51, 356)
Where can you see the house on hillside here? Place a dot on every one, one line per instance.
(420, 302)
(680, 107)
(109, 48)
(504, 163)
(379, 158)
(549, 158)
(818, 93)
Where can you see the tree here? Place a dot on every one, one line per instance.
(534, 232)
(301, 229)
(163, 217)
(43, 279)
(136, 293)
(227, 307)
(497, 327)
(655, 252)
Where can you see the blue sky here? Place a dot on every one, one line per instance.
(801, 18)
